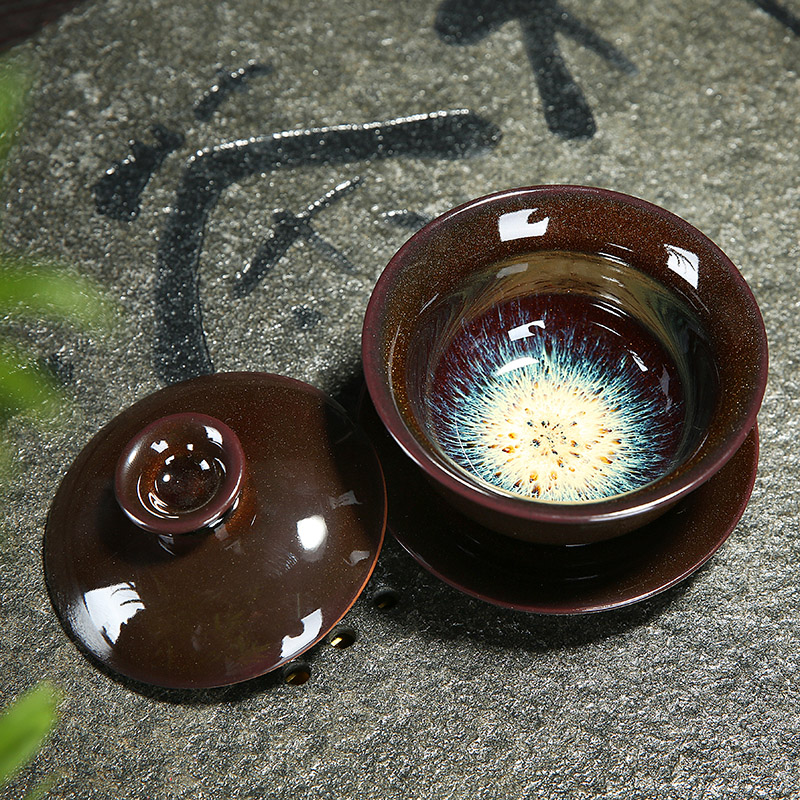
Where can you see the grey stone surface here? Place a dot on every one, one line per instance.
(692, 694)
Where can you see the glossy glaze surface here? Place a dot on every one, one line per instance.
(551, 579)
(181, 473)
(701, 311)
(558, 398)
(232, 602)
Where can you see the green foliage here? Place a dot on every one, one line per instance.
(14, 86)
(24, 384)
(30, 290)
(24, 726)
(50, 292)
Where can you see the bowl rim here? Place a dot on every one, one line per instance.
(618, 507)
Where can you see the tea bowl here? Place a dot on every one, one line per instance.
(564, 363)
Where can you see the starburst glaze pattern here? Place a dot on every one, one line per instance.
(555, 403)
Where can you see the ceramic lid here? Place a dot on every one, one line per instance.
(214, 530)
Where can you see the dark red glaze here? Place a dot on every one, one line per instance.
(554, 579)
(233, 601)
(614, 348)
(447, 254)
(182, 473)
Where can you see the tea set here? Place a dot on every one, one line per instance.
(562, 385)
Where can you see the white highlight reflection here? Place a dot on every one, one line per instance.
(213, 434)
(312, 532)
(684, 263)
(111, 607)
(357, 556)
(517, 225)
(524, 331)
(512, 269)
(517, 363)
(346, 499)
(312, 625)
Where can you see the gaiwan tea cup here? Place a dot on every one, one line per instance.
(564, 363)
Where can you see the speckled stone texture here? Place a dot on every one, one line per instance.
(691, 105)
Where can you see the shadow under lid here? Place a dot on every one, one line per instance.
(241, 597)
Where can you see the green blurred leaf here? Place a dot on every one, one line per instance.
(41, 788)
(14, 85)
(25, 385)
(49, 292)
(31, 290)
(28, 721)
(24, 726)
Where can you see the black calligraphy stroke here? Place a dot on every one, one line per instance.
(227, 82)
(780, 13)
(305, 317)
(408, 220)
(288, 228)
(118, 193)
(180, 347)
(566, 110)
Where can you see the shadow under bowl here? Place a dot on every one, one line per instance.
(564, 363)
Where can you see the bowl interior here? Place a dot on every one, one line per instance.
(565, 350)
(561, 377)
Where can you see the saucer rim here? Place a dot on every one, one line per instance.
(658, 585)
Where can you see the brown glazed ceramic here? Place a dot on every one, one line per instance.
(182, 473)
(236, 599)
(593, 279)
(553, 579)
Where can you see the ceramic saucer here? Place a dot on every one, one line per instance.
(560, 579)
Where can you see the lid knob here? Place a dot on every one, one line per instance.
(179, 474)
